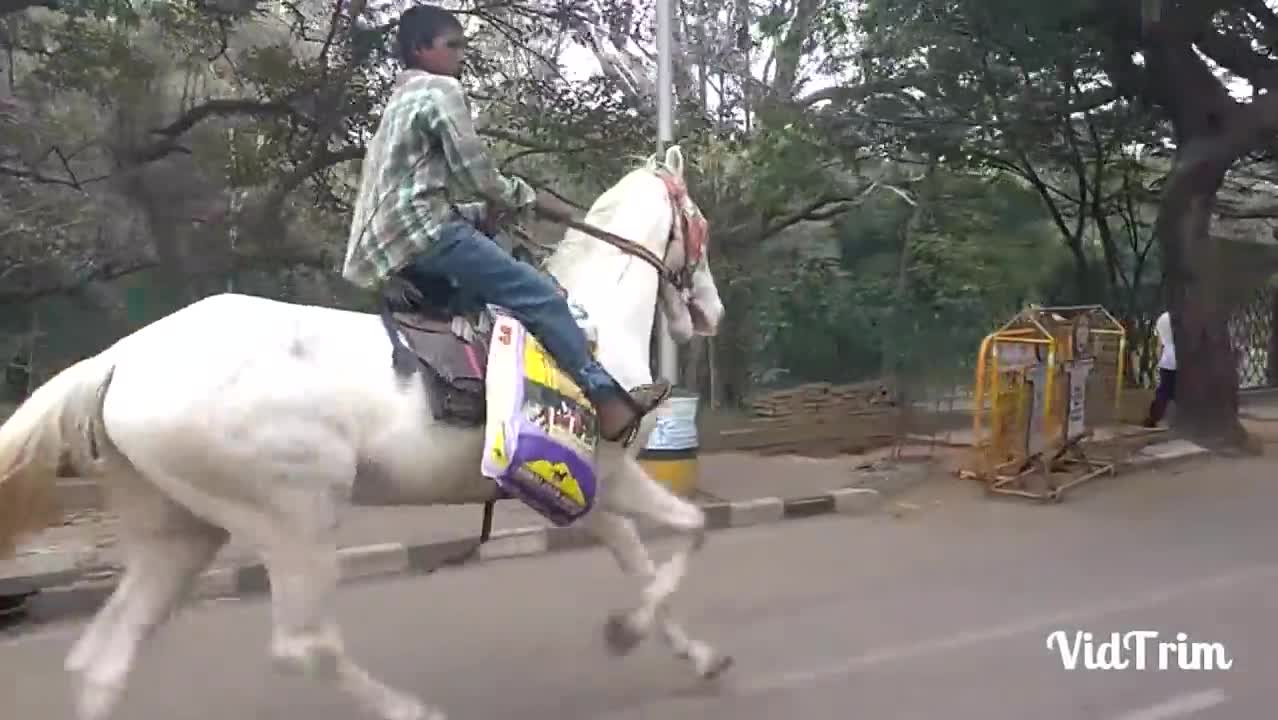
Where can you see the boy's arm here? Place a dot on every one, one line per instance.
(468, 159)
(550, 206)
(470, 163)
(474, 213)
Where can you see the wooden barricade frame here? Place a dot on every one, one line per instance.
(1032, 373)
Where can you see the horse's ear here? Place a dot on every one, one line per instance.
(674, 159)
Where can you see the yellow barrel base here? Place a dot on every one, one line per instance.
(676, 469)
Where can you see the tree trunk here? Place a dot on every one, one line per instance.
(692, 356)
(735, 356)
(1082, 273)
(716, 399)
(892, 363)
(1207, 372)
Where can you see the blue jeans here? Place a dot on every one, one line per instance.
(480, 272)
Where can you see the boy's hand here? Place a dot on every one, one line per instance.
(552, 208)
(492, 221)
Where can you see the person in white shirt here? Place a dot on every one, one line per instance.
(1166, 391)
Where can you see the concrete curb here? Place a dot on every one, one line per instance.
(1257, 394)
(1163, 453)
(71, 595)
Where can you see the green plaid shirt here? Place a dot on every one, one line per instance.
(424, 150)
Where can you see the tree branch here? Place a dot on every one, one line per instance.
(102, 273)
(1234, 53)
(224, 107)
(41, 179)
(1258, 210)
(1085, 101)
(168, 143)
(824, 208)
(789, 51)
(320, 161)
(846, 94)
(1266, 17)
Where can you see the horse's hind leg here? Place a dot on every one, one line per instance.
(165, 548)
(630, 491)
(303, 569)
(619, 535)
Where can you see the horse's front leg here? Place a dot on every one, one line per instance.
(629, 491)
(621, 537)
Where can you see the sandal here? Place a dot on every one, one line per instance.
(642, 400)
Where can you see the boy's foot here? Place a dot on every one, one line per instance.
(620, 415)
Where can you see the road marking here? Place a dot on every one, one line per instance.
(1041, 623)
(1178, 706)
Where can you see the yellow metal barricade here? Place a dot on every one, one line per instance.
(1044, 382)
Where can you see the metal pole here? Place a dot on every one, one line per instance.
(667, 352)
(665, 94)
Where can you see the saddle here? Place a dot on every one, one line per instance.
(450, 350)
(539, 447)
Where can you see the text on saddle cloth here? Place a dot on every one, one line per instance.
(541, 432)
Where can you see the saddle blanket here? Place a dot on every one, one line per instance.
(541, 432)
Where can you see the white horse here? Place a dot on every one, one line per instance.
(244, 416)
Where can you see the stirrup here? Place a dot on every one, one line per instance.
(642, 400)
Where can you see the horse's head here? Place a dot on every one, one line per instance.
(691, 303)
(650, 211)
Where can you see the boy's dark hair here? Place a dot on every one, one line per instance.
(420, 25)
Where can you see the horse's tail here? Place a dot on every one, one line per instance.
(60, 425)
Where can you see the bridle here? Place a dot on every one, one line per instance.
(690, 228)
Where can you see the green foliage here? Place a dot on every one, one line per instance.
(982, 252)
(982, 77)
(87, 56)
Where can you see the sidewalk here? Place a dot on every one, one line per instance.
(86, 541)
(738, 491)
(84, 547)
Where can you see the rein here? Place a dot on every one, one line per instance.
(689, 229)
(630, 248)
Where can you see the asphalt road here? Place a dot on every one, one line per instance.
(941, 613)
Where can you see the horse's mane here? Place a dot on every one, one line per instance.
(574, 243)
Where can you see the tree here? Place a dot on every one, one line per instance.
(197, 144)
(1162, 53)
(1026, 66)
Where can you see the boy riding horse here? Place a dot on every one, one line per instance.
(406, 225)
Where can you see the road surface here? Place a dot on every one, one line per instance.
(941, 612)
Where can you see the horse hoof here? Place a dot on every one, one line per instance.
(717, 667)
(620, 635)
(95, 701)
(410, 709)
